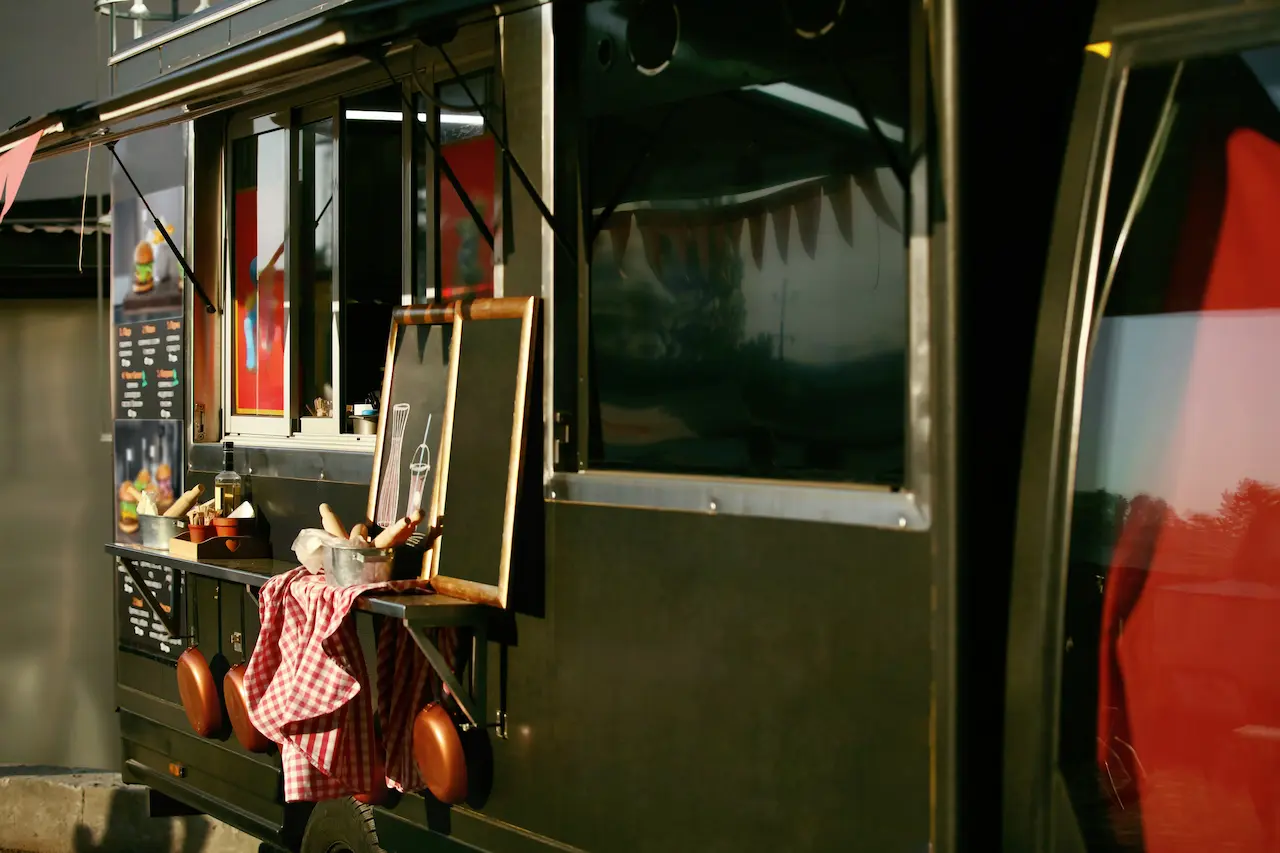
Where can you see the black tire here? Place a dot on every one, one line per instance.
(341, 826)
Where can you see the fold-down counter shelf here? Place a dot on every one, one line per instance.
(420, 612)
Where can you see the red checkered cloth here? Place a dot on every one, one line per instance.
(307, 688)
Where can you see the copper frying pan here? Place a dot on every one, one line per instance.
(237, 697)
(197, 687)
(238, 710)
(199, 693)
(438, 751)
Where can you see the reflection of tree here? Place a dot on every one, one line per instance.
(1100, 516)
(687, 320)
(1120, 549)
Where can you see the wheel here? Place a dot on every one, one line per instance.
(341, 826)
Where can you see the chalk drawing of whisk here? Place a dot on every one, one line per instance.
(389, 493)
(419, 468)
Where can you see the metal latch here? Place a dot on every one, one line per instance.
(561, 433)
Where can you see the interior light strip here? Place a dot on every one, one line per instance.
(828, 106)
(336, 40)
(391, 115)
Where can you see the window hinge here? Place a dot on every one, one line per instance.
(562, 434)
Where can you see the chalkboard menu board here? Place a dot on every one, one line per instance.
(139, 628)
(149, 370)
(486, 450)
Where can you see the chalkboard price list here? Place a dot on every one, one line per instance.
(149, 366)
(139, 627)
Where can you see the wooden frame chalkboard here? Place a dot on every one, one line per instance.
(489, 420)
(415, 419)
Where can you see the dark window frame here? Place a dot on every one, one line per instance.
(570, 475)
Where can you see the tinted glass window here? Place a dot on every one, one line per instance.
(1170, 733)
(748, 267)
(372, 197)
(259, 204)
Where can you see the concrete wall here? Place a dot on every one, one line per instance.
(56, 585)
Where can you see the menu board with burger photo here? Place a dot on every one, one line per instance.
(148, 348)
(148, 461)
(146, 277)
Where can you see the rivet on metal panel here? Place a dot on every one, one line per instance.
(902, 521)
(712, 506)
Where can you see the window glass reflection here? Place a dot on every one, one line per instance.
(259, 166)
(372, 238)
(748, 284)
(1171, 698)
(315, 277)
(466, 260)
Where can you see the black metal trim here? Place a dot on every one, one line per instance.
(137, 772)
(510, 157)
(1034, 606)
(350, 467)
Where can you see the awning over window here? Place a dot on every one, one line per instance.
(332, 42)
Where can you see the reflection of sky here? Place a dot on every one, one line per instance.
(1182, 406)
(272, 168)
(1265, 63)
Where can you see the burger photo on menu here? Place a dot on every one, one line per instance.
(144, 264)
(147, 471)
(147, 279)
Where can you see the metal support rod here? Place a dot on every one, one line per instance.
(472, 704)
(164, 232)
(165, 619)
(523, 177)
(449, 174)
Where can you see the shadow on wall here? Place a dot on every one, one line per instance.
(130, 829)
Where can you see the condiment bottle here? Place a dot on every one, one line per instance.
(228, 486)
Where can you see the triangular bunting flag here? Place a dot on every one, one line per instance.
(756, 224)
(840, 192)
(651, 237)
(870, 186)
(808, 215)
(13, 167)
(619, 235)
(782, 229)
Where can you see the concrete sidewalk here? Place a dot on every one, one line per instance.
(60, 810)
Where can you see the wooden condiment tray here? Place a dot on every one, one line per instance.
(219, 548)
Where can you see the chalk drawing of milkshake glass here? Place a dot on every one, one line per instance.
(419, 468)
(389, 494)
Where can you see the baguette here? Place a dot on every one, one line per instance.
(359, 535)
(398, 533)
(331, 523)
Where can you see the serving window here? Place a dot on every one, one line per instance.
(335, 210)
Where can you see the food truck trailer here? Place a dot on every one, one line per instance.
(848, 417)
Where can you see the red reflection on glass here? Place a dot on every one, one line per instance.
(1189, 682)
(466, 261)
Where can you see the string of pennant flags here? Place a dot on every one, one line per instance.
(701, 228)
(13, 167)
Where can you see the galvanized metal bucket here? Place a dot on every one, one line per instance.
(356, 566)
(158, 530)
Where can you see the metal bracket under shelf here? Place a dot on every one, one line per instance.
(170, 626)
(473, 701)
